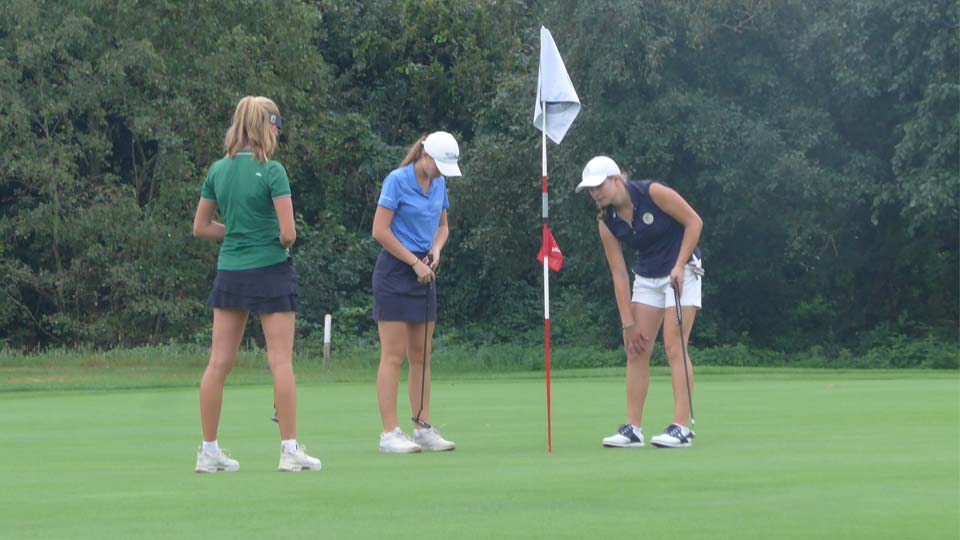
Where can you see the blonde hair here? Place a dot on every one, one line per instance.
(414, 152)
(602, 210)
(251, 128)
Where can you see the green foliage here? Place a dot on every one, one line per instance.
(818, 141)
(108, 135)
(333, 266)
(412, 66)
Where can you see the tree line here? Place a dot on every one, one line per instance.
(817, 139)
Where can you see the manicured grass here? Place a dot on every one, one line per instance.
(779, 454)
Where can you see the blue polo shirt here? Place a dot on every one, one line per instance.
(654, 236)
(416, 214)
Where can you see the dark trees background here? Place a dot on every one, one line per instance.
(817, 139)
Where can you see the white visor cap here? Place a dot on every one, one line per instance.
(443, 148)
(596, 171)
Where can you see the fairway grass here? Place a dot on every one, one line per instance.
(779, 454)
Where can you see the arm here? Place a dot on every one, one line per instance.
(288, 230)
(203, 224)
(382, 234)
(633, 340)
(676, 207)
(439, 240)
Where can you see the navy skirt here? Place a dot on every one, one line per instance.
(397, 295)
(269, 289)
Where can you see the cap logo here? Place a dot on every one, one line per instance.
(449, 156)
(647, 218)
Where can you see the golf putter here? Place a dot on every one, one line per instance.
(683, 349)
(423, 372)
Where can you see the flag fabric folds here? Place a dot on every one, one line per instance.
(550, 248)
(555, 90)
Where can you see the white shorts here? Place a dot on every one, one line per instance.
(657, 292)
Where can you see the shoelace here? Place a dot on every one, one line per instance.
(675, 431)
(224, 454)
(433, 433)
(627, 431)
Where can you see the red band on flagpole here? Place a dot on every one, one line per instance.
(544, 188)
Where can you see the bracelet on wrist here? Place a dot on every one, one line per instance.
(414, 263)
(625, 326)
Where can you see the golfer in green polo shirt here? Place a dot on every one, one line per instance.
(254, 273)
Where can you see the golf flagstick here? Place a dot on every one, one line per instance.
(546, 275)
(555, 93)
(683, 349)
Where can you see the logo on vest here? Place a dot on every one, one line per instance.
(647, 218)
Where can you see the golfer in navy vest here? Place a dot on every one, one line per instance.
(662, 230)
(411, 225)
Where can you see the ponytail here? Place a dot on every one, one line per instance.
(414, 152)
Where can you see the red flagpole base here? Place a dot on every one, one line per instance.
(546, 332)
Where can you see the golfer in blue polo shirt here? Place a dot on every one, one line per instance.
(411, 225)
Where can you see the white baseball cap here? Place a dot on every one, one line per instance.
(443, 148)
(596, 171)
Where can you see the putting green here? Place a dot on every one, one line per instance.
(788, 454)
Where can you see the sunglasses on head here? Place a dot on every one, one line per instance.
(276, 120)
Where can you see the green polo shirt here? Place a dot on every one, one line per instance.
(244, 190)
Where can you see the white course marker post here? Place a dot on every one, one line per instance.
(327, 323)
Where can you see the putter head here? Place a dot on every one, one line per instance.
(421, 423)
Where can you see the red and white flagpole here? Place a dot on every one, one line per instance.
(546, 272)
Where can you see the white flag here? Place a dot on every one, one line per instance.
(555, 90)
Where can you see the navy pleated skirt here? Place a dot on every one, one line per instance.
(397, 295)
(269, 289)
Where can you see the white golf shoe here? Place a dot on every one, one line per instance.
(628, 436)
(430, 440)
(297, 460)
(214, 463)
(397, 442)
(675, 436)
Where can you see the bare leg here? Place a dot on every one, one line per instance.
(648, 318)
(228, 325)
(278, 330)
(393, 336)
(671, 342)
(415, 366)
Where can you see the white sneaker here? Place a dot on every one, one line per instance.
(397, 442)
(214, 463)
(430, 440)
(628, 436)
(297, 460)
(675, 436)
